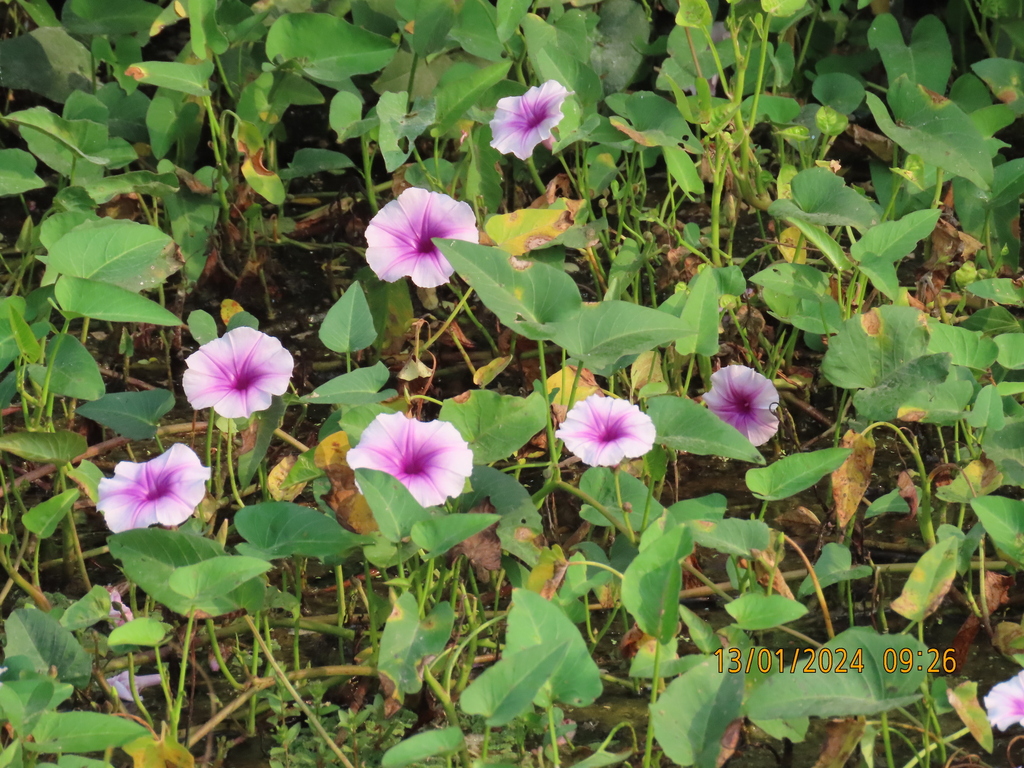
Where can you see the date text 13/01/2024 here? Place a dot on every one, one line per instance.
(835, 660)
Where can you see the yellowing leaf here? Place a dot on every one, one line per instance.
(228, 309)
(151, 752)
(276, 477)
(851, 480)
(789, 239)
(348, 504)
(562, 381)
(530, 228)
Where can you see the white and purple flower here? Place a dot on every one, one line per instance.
(400, 237)
(164, 490)
(430, 458)
(121, 683)
(745, 399)
(1005, 703)
(603, 431)
(237, 374)
(522, 122)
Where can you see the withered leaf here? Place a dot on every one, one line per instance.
(851, 480)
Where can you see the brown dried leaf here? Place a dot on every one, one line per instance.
(841, 739)
(764, 566)
(908, 491)
(851, 480)
(631, 642)
(997, 589)
(483, 550)
(964, 639)
(730, 742)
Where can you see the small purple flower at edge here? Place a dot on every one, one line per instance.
(400, 237)
(119, 610)
(237, 374)
(522, 122)
(120, 683)
(603, 431)
(745, 399)
(1005, 703)
(163, 490)
(430, 458)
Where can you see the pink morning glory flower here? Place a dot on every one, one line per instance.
(163, 490)
(400, 237)
(1005, 703)
(119, 610)
(522, 122)
(742, 397)
(237, 374)
(603, 431)
(430, 458)
(121, 684)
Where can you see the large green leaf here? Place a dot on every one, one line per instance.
(71, 370)
(874, 345)
(394, 508)
(327, 48)
(53, 447)
(457, 96)
(686, 426)
(915, 383)
(792, 474)
(44, 643)
(135, 415)
(116, 251)
(357, 387)
(417, 749)
(1006, 448)
(700, 317)
(536, 624)
(17, 169)
(755, 611)
(440, 534)
(651, 584)
(82, 732)
(193, 79)
(348, 325)
(935, 128)
(276, 529)
(928, 59)
(207, 580)
(691, 716)
(822, 197)
(856, 690)
(407, 640)
(527, 296)
(1004, 522)
(883, 246)
(505, 690)
(44, 517)
(150, 555)
(47, 61)
(965, 347)
(103, 301)
(494, 425)
(99, 17)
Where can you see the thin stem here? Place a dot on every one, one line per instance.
(283, 679)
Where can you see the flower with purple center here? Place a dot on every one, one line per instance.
(121, 684)
(237, 374)
(119, 610)
(745, 399)
(430, 458)
(400, 242)
(163, 490)
(1005, 703)
(603, 431)
(522, 122)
